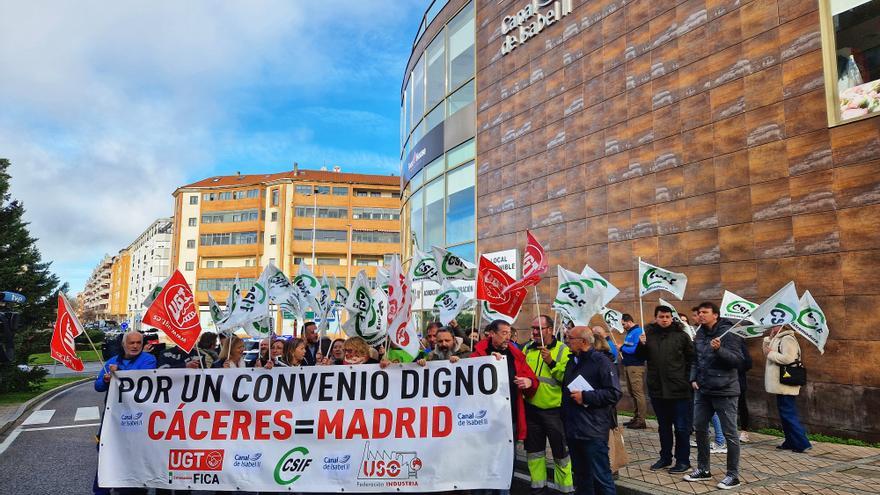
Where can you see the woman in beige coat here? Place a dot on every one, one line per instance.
(782, 348)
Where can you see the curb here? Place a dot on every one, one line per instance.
(31, 403)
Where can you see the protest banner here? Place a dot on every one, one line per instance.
(360, 428)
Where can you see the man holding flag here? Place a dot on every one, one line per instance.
(547, 357)
(634, 371)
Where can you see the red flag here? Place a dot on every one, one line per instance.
(174, 311)
(491, 282)
(67, 327)
(534, 265)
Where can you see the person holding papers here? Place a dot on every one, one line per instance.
(591, 390)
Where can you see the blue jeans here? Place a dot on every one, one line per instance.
(590, 466)
(673, 412)
(719, 434)
(795, 435)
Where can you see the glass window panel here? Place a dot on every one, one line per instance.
(435, 117)
(461, 47)
(418, 94)
(416, 223)
(434, 213)
(464, 251)
(460, 205)
(340, 191)
(434, 169)
(461, 98)
(460, 154)
(435, 71)
(417, 134)
(416, 181)
(857, 49)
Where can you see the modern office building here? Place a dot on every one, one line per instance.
(733, 141)
(333, 222)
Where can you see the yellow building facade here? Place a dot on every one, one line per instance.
(119, 276)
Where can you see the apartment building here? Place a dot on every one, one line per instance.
(150, 257)
(120, 270)
(96, 294)
(336, 223)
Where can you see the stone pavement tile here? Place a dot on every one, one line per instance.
(791, 487)
(857, 478)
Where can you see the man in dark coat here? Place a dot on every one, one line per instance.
(716, 382)
(591, 390)
(669, 352)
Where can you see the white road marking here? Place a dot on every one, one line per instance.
(40, 417)
(89, 413)
(8, 440)
(41, 428)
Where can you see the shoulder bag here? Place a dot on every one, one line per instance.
(794, 374)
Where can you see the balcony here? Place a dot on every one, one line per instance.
(219, 228)
(231, 250)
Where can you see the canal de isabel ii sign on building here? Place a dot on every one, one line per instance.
(531, 20)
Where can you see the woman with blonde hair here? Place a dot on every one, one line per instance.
(231, 354)
(357, 351)
(294, 352)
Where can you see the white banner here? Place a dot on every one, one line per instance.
(811, 322)
(653, 278)
(735, 307)
(317, 429)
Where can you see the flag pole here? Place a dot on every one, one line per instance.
(641, 303)
(94, 348)
(538, 313)
(474, 321)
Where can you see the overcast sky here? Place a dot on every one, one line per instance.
(107, 107)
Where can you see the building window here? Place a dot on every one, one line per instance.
(366, 261)
(190, 266)
(275, 196)
(375, 214)
(209, 264)
(340, 191)
(416, 219)
(418, 98)
(852, 58)
(304, 189)
(192, 222)
(328, 261)
(190, 244)
(386, 259)
(273, 240)
(271, 261)
(323, 212)
(435, 86)
(461, 98)
(461, 47)
(460, 208)
(194, 199)
(361, 194)
(274, 216)
(224, 284)
(224, 239)
(434, 215)
(375, 237)
(320, 235)
(230, 216)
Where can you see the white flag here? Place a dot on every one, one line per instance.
(233, 299)
(613, 318)
(382, 278)
(452, 267)
(811, 322)
(278, 285)
(252, 312)
(736, 308)
(309, 290)
(578, 298)
(217, 314)
(341, 294)
(779, 309)
(400, 332)
(610, 290)
(366, 309)
(653, 278)
(450, 302)
(489, 314)
(155, 292)
(749, 332)
(675, 317)
(325, 305)
(423, 267)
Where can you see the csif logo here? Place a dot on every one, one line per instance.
(292, 465)
(574, 290)
(425, 269)
(389, 465)
(811, 319)
(779, 315)
(740, 307)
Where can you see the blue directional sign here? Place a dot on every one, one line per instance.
(13, 297)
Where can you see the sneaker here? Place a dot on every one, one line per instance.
(698, 475)
(693, 442)
(744, 437)
(662, 463)
(680, 468)
(783, 447)
(801, 451)
(637, 425)
(728, 482)
(717, 449)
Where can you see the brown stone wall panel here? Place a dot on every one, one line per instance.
(724, 31)
(641, 160)
(644, 222)
(697, 144)
(855, 326)
(791, 9)
(596, 256)
(734, 206)
(859, 228)
(728, 64)
(803, 74)
(763, 87)
(773, 238)
(699, 178)
(665, 59)
(727, 100)
(639, 100)
(695, 111)
(809, 152)
(620, 256)
(613, 52)
(616, 110)
(527, 145)
(663, 25)
(614, 25)
(671, 217)
(638, 41)
(641, 130)
(731, 170)
(625, 281)
(736, 243)
(641, 190)
(594, 174)
(761, 52)
(773, 274)
(668, 185)
(704, 282)
(860, 269)
(552, 237)
(812, 192)
(768, 162)
(638, 12)
(672, 250)
(619, 196)
(857, 185)
(800, 35)
(740, 278)
(487, 227)
(620, 226)
(729, 134)
(617, 139)
(765, 124)
(557, 185)
(701, 212)
(757, 17)
(816, 233)
(666, 121)
(771, 200)
(615, 167)
(597, 229)
(667, 153)
(646, 248)
(805, 113)
(703, 247)
(821, 274)
(594, 92)
(856, 142)
(637, 71)
(596, 201)
(692, 47)
(490, 203)
(573, 73)
(576, 233)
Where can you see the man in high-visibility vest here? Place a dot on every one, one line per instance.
(547, 357)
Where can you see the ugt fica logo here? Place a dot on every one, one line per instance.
(388, 465)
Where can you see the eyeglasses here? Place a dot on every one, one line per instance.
(539, 328)
(350, 352)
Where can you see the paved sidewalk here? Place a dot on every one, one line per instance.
(764, 470)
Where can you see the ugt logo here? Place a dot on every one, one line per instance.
(385, 465)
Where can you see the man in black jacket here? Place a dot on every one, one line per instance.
(591, 390)
(669, 352)
(716, 381)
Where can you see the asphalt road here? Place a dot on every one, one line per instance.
(55, 453)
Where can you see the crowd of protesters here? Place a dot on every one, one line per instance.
(564, 386)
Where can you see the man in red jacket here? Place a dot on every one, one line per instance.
(521, 377)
